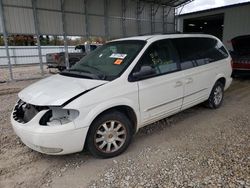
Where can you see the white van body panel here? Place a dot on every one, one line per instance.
(56, 90)
(199, 82)
(106, 97)
(167, 91)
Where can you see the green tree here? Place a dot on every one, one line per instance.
(56, 41)
(21, 40)
(1, 41)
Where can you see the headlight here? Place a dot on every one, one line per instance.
(58, 116)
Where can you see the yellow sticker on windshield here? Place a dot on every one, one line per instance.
(118, 62)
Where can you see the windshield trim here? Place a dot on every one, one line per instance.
(78, 75)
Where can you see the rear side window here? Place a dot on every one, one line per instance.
(198, 51)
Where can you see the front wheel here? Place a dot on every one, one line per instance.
(109, 135)
(216, 97)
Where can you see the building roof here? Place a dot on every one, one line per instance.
(215, 9)
(172, 3)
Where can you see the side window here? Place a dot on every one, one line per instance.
(189, 52)
(216, 51)
(198, 51)
(161, 57)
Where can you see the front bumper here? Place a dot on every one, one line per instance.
(53, 140)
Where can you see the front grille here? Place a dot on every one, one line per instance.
(24, 112)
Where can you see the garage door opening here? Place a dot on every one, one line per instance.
(212, 25)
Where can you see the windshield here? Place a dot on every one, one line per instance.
(108, 61)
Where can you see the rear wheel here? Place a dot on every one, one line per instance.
(109, 135)
(216, 97)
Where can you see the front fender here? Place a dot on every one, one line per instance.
(88, 115)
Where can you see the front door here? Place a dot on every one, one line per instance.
(160, 94)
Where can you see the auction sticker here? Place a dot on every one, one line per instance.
(118, 62)
(118, 56)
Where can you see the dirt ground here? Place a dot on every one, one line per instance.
(21, 72)
(195, 148)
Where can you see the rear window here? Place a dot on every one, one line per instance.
(198, 51)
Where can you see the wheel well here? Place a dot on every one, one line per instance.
(222, 80)
(128, 111)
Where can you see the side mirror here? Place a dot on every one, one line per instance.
(144, 72)
(77, 47)
(80, 47)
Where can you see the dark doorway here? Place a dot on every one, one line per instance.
(212, 25)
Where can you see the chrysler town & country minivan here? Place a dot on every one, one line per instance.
(102, 101)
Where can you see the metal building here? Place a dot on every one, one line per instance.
(105, 18)
(225, 22)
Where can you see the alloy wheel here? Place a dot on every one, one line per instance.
(110, 136)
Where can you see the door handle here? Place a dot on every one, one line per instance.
(189, 80)
(178, 84)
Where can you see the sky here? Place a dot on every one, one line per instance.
(197, 5)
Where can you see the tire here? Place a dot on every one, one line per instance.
(233, 74)
(109, 135)
(61, 68)
(73, 62)
(216, 97)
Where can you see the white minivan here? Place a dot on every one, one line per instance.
(102, 101)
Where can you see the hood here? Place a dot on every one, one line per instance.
(56, 90)
(241, 45)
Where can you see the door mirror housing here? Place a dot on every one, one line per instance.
(80, 47)
(145, 72)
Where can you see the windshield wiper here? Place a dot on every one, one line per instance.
(84, 74)
(101, 74)
(77, 70)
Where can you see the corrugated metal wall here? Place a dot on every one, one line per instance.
(106, 18)
(18, 2)
(21, 24)
(1, 25)
(236, 21)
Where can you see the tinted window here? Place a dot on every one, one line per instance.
(198, 51)
(93, 47)
(161, 57)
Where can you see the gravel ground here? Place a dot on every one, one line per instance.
(21, 72)
(195, 148)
